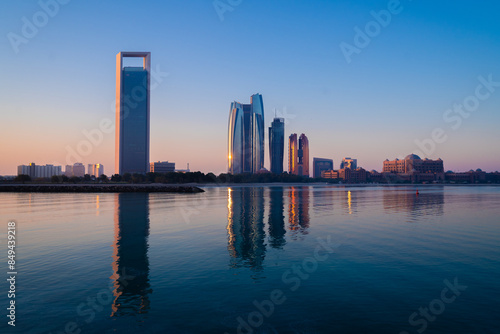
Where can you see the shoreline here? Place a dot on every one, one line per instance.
(344, 185)
(101, 188)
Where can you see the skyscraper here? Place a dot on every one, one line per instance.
(246, 136)
(298, 155)
(277, 145)
(303, 155)
(320, 164)
(132, 114)
(95, 170)
(292, 154)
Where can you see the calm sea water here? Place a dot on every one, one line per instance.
(307, 259)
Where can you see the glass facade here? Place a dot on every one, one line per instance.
(277, 145)
(303, 155)
(132, 116)
(320, 165)
(349, 163)
(246, 136)
(298, 155)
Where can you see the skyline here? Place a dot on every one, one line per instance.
(396, 90)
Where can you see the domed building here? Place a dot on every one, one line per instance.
(416, 169)
(412, 157)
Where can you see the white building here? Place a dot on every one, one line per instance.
(78, 169)
(37, 171)
(95, 170)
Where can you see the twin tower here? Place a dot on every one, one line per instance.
(246, 142)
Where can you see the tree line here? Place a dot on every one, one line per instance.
(177, 178)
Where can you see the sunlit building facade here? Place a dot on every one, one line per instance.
(413, 164)
(414, 169)
(132, 114)
(95, 170)
(298, 155)
(293, 148)
(349, 163)
(246, 136)
(277, 145)
(303, 155)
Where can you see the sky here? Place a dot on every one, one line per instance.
(371, 80)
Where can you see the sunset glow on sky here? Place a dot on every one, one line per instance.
(401, 85)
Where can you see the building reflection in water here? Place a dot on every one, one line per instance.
(298, 210)
(130, 255)
(245, 227)
(426, 203)
(276, 218)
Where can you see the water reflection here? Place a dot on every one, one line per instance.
(246, 227)
(298, 210)
(246, 235)
(276, 220)
(130, 255)
(426, 203)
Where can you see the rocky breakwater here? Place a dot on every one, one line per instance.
(100, 188)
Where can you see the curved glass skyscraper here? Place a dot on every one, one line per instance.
(246, 136)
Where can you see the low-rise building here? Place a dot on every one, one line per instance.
(358, 175)
(162, 167)
(477, 176)
(38, 171)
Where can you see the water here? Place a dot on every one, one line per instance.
(307, 259)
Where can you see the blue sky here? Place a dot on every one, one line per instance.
(394, 92)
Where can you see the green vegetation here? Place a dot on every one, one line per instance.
(176, 178)
(211, 178)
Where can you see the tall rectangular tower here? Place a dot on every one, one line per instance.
(292, 154)
(277, 145)
(132, 114)
(303, 156)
